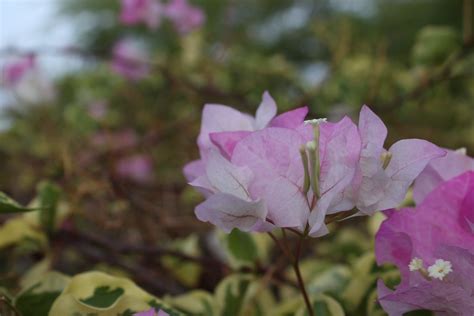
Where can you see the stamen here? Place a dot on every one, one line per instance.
(311, 145)
(440, 269)
(304, 160)
(316, 122)
(415, 264)
(385, 157)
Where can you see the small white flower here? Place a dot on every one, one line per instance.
(440, 269)
(415, 264)
(315, 122)
(311, 145)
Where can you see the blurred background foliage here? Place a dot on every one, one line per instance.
(411, 61)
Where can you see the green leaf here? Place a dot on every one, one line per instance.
(18, 229)
(159, 306)
(103, 297)
(31, 304)
(97, 293)
(361, 282)
(241, 295)
(242, 246)
(233, 299)
(8, 205)
(188, 273)
(323, 305)
(435, 44)
(38, 299)
(197, 302)
(48, 194)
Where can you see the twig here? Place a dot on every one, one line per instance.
(296, 267)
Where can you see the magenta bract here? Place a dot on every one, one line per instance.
(130, 60)
(149, 12)
(440, 170)
(151, 312)
(13, 72)
(185, 17)
(439, 234)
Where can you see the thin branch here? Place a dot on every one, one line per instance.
(296, 267)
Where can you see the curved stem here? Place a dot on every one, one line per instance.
(296, 267)
(295, 259)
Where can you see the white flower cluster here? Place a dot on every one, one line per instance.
(315, 122)
(438, 270)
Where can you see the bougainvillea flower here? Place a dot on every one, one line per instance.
(229, 204)
(119, 140)
(26, 80)
(185, 17)
(222, 127)
(264, 160)
(384, 176)
(138, 168)
(263, 179)
(149, 12)
(13, 72)
(273, 156)
(340, 147)
(130, 60)
(433, 247)
(151, 312)
(97, 109)
(439, 170)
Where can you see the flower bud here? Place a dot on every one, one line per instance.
(304, 160)
(385, 157)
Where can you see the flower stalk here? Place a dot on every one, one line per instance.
(295, 261)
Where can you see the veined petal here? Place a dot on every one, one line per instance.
(371, 128)
(288, 205)
(194, 169)
(228, 212)
(409, 158)
(290, 119)
(228, 178)
(266, 111)
(441, 169)
(391, 306)
(226, 141)
(269, 152)
(203, 185)
(273, 156)
(340, 148)
(221, 118)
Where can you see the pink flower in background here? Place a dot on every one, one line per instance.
(119, 140)
(433, 247)
(97, 109)
(29, 85)
(13, 72)
(185, 17)
(130, 60)
(439, 170)
(384, 176)
(151, 312)
(141, 11)
(138, 168)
